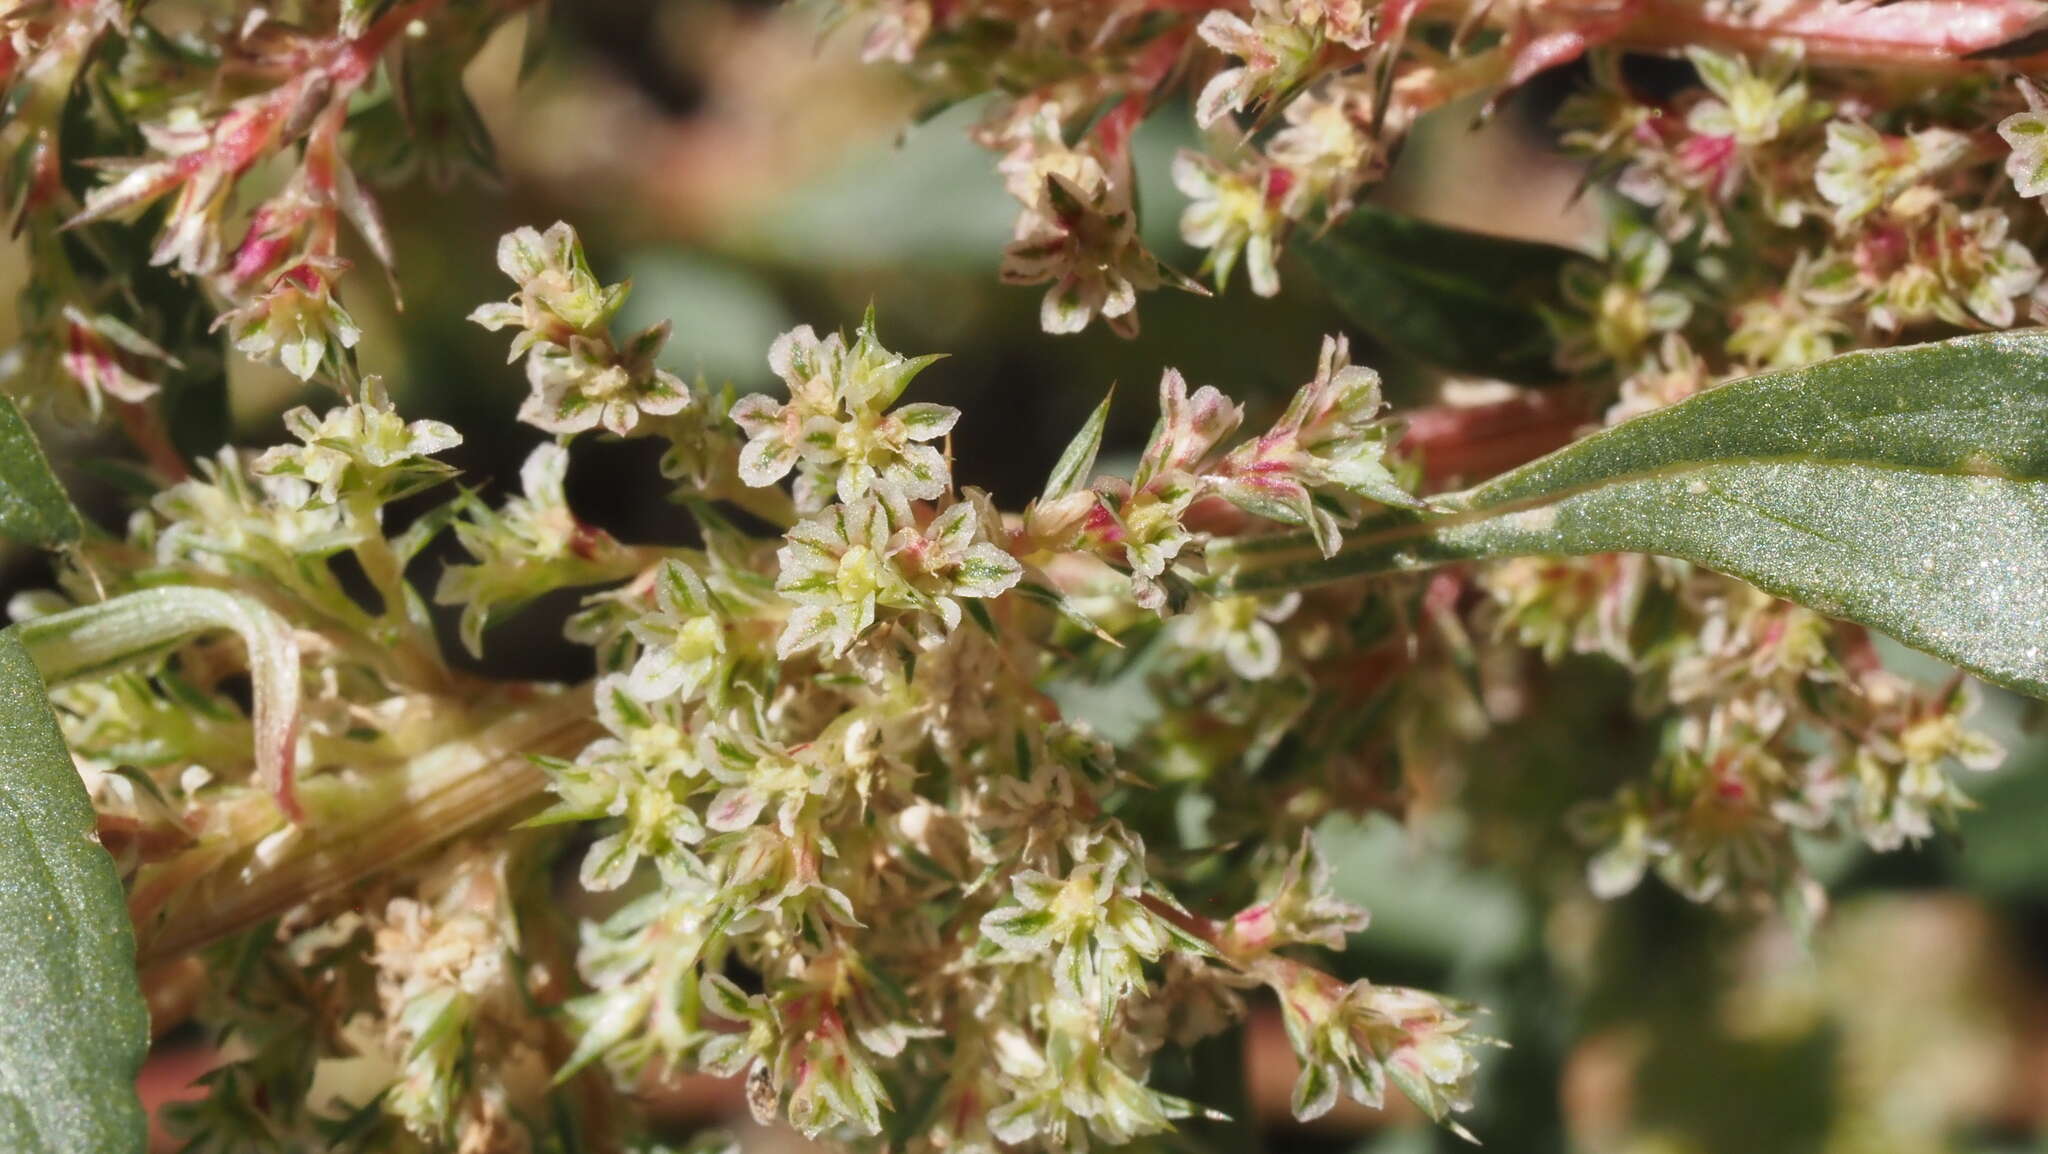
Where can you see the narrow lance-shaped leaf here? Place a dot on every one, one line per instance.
(1905, 489)
(74, 1032)
(33, 507)
(137, 626)
(1071, 471)
(1462, 301)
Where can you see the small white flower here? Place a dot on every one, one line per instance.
(1231, 213)
(837, 428)
(579, 377)
(683, 642)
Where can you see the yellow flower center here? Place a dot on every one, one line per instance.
(859, 574)
(698, 639)
(1076, 903)
(1624, 321)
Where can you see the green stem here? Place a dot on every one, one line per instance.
(772, 504)
(418, 655)
(1284, 561)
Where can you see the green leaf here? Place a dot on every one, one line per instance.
(1071, 471)
(33, 507)
(75, 1030)
(1463, 301)
(1902, 489)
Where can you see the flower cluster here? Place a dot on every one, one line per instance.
(1321, 464)
(534, 543)
(1353, 1039)
(1856, 221)
(1303, 102)
(863, 833)
(1777, 722)
(1078, 227)
(581, 379)
(201, 194)
(835, 760)
(838, 431)
(827, 762)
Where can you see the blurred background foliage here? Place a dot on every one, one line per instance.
(749, 174)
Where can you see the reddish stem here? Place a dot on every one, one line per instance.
(144, 425)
